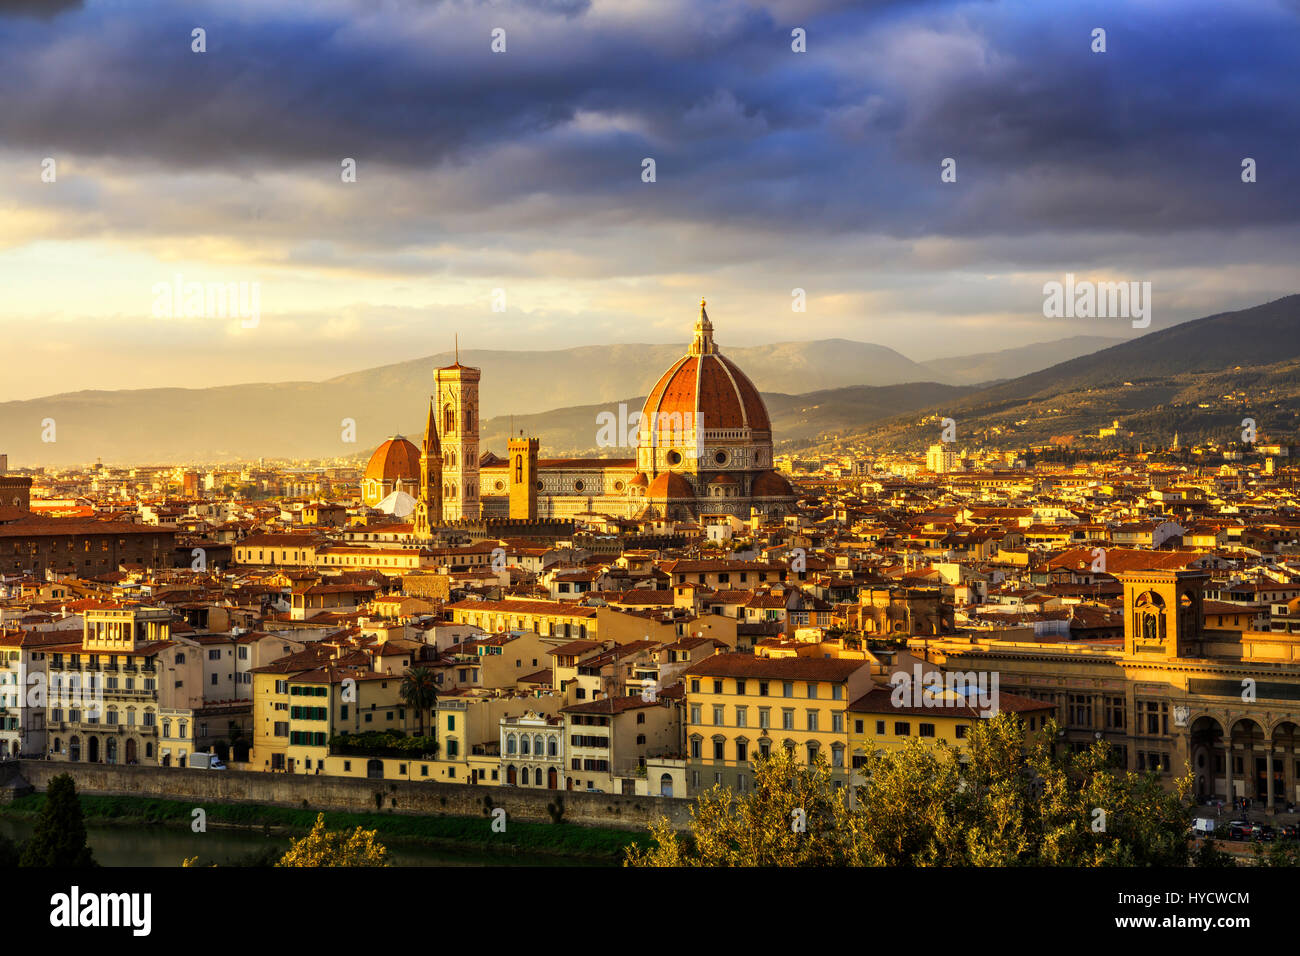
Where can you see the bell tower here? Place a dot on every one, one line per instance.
(457, 402)
(1163, 613)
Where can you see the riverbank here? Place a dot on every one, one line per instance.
(592, 846)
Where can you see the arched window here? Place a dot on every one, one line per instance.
(510, 744)
(551, 747)
(523, 744)
(537, 776)
(537, 747)
(448, 419)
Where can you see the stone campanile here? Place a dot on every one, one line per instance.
(457, 403)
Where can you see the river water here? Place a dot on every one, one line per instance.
(153, 845)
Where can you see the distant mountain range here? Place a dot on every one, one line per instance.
(820, 387)
(1198, 378)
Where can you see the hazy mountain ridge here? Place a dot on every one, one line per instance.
(1154, 385)
(1010, 363)
(306, 419)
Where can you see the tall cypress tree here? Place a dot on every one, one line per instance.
(60, 837)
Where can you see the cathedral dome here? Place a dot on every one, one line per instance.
(703, 388)
(395, 459)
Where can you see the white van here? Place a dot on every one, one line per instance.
(202, 761)
(1203, 826)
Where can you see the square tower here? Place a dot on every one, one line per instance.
(523, 477)
(1163, 612)
(457, 391)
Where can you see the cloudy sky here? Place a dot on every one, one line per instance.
(522, 171)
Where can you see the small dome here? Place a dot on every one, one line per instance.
(722, 480)
(395, 459)
(640, 481)
(669, 485)
(771, 485)
(399, 504)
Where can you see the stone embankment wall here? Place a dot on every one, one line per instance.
(352, 794)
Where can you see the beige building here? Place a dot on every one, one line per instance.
(106, 692)
(610, 741)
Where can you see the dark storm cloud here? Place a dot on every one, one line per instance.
(42, 9)
(1147, 137)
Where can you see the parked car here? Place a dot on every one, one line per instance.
(1239, 830)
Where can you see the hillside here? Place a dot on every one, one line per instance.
(1200, 379)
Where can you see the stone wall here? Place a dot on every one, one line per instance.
(357, 795)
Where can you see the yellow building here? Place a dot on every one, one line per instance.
(886, 718)
(738, 705)
(334, 700)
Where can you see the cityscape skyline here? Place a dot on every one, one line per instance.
(648, 434)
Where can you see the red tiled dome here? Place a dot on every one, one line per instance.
(669, 485)
(707, 389)
(394, 459)
(771, 485)
(640, 480)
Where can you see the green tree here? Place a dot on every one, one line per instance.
(793, 817)
(1281, 853)
(324, 847)
(60, 836)
(420, 690)
(1208, 854)
(1008, 799)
